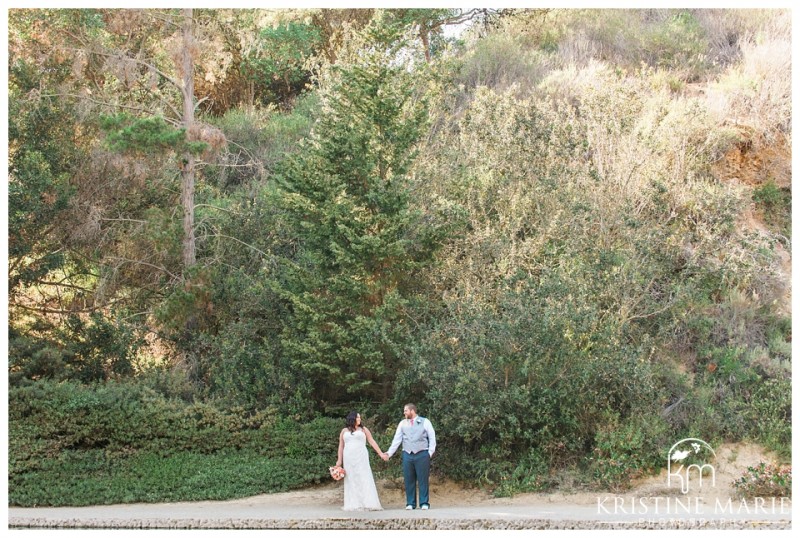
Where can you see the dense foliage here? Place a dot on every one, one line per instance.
(361, 248)
(565, 236)
(104, 444)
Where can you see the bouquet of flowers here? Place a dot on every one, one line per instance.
(337, 473)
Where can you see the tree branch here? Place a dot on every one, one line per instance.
(241, 242)
(464, 16)
(161, 99)
(140, 62)
(20, 259)
(126, 220)
(111, 105)
(136, 314)
(164, 20)
(43, 310)
(244, 149)
(61, 285)
(215, 207)
(140, 262)
(197, 105)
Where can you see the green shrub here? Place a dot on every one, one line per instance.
(531, 473)
(95, 348)
(124, 442)
(170, 383)
(769, 414)
(88, 477)
(764, 480)
(498, 61)
(623, 452)
(775, 204)
(259, 139)
(678, 43)
(527, 378)
(279, 60)
(666, 38)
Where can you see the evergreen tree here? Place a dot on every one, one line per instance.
(360, 244)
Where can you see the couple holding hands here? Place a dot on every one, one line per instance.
(419, 443)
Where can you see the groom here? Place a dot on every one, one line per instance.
(419, 443)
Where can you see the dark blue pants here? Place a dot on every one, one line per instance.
(416, 468)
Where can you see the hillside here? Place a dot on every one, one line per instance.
(565, 234)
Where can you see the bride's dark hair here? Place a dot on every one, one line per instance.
(350, 421)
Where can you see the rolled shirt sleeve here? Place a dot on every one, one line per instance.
(431, 437)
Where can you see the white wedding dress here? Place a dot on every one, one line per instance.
(359, 486)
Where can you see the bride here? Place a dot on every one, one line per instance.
(359, 486)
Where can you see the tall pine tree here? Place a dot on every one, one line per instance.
(360, 244)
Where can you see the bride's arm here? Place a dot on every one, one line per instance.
(341, 449)
(372, 442)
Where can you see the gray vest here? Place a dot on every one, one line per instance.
(415, 438)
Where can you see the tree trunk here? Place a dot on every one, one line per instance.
(424, 35)
(187, 170)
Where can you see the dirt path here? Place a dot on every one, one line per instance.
(320, 508)
(648, 505)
